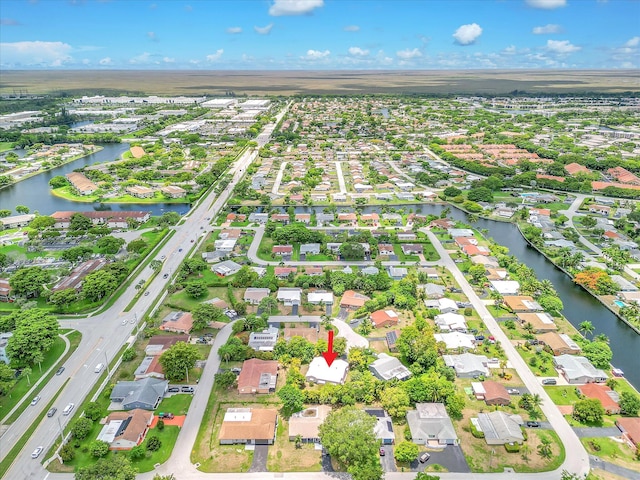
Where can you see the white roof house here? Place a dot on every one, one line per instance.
(505, 287)
(320, 297)
(460, 232)
(290, 296)
(467, 365)
(448, 322)
(576, 369)
(455, 340)
(499, 427)
(320, 372)
(387, 367)
(447, 305)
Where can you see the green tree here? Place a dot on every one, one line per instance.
(589, 410)
(58, 181)
(93, 411)
(292, 399)
(395, 400)
(129, 354)
(348, 436)
(351, 251)
(42, 222)
(598, 353)
(5, 213)
(195, 289)
(99, 284)
(480, 194)
(7, 378)
(81, 428)
(178, 359)
(477, 273)
(22, 209)
(418, 347)
(586, 328)
(116, 467)
(79, 222)
(234, 350)
(137, 246)
(426, 476)
(63, 298)
(34, 334)
(406, 452)
(110, 244)
(452, 192)
(28, 281)
(67, 452)
(225, 380)
(268, 305)
(153, 443)
(629, 404)
(204, 314)
(245, 277)
(98, 448)
(137, 452)
(544, 449)
(551, 303)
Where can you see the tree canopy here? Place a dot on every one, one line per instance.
(178, 359)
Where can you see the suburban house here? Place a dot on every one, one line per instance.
(577, 370)
(81, 184)
(251, 426)
(125, 430)
(397, 273)
(5, 290)
(307, 422)
(253, 295)
(383, 429)
(430, 424)
(313, 271)
(159, 343)
(384, 318)
(499, 427)
(493, 393)
(145, 394)
(352, 300)
(347, 218)
(280, 217)
(149, 367)
(387, 367)
(320, 296)
(264, 341)
(385, 249)
(630, 428)
(541, 322)
(559, 344)
(406, 236)
(460, 232)
(282, 250)
(303, 217)
(451, 322)
(456, 340)
(447, 305)
(258, 376)
(467, 365)
(77, 275)
(433, 290)
(284, 272)
(140, 191)
(320, 372)
(412, 248)
(16, 221)
(310, 249)
(521, 303)
(505, 287)
(226, 268)
(289, 296)
(173, 191)
(391, 339)
(608, 398)
(179, 322)
(225, 245)
(600, 209)
(261, 218)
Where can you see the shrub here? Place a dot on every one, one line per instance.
(128, 355)
(468, 311)
(137, 452)
(512, 448)
(153, 444)
(475, 432)
(160, 425)
(67, 453)
(99, 448)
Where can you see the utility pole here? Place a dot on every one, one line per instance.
(106, 362)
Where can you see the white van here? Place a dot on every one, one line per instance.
(67, 410)
(99, 367)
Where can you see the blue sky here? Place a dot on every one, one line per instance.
(319, 34)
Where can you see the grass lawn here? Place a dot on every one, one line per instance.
(607, 421)
(264, 249)
(177, 404)
(612, 451)
(563, 395)
(285, 457)
(544, 362)
(318, 258)
(22, 386)
(168, 437)
(5, 146)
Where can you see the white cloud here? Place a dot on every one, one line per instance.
(144, 57)
(152, 36)
(105, 61)
(632, 42)
(294, 7)
(467, 34)
(169, 60)
(317, 54)
(35, 53)
(357, 51)
(510, 50)
(561, 47)
(264, 30)
(547, 4)
(409, 54)
(547, 29)
(214, 57)
(351, 28)
(234, 30)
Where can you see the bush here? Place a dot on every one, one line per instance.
(160, 425)
(128, 355)
(468, 311)
(512, 448)
(81, 428)
(153, 444)
(67, 453)
(99, 448)
(93, 411)
(137, 452)
(475, 432)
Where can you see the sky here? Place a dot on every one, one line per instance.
(319, 34)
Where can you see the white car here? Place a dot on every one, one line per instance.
(36, 453)
(124, 322)
(35, 400)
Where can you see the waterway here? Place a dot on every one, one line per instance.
(34, 192)
(578, 304)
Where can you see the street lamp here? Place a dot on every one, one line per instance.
(106, 362)
(61, 431)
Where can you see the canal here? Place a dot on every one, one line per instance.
(578, 304)
(34, 192)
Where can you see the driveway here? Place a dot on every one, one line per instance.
(353, 339)
(597, 432)
(259, 463)
(450, 457)
(387, 462)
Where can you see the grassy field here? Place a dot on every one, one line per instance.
(212, 82)
(612, 451)
(176, 404)
(4, 146)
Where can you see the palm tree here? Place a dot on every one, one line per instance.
(586, 328)
(525, 450)
(536, 401)
(496, 297)
(601, 337)
(503, 365)
(546, 287)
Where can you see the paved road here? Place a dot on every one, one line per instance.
(104, 334)
(276, 184)
(343, 188)
(353, 339)
(596, 462)
(577, 460)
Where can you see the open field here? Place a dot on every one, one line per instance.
(91, 82)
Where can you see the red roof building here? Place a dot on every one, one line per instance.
(495, 393)
(630, 428)
(574, 168)
(602, 393)
(384, 318)
(258, 376)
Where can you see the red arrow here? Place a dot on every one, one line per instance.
(330, 355)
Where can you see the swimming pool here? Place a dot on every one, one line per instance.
(620, 303)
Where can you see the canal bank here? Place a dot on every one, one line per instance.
(34, 192)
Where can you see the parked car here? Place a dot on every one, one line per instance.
(479, 338)
(513, 391)
(549, 381)
(59, 371)
(187, 389)
(52, 411)
(163, 257)
(236, 370)
(36, 453)
(424, 457)
(167, 415)
(173, 390)
(382, 452)
(531, 424)
(35, 400)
